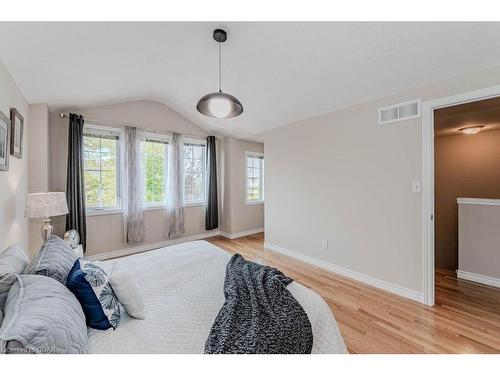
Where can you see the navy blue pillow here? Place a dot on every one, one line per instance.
(90, 284)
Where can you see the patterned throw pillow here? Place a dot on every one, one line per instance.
(90, 284)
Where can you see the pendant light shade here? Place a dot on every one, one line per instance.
(219, 104)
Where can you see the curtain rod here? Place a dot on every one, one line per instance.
(115, 125)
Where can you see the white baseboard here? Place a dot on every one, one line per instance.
(232, 236)
(487, 280)
(152, 246)
(377, 283)
(142, 248)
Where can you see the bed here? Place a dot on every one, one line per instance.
(182, 286)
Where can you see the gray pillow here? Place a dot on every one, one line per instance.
(13, 260)
(54, 259)
(43, 316)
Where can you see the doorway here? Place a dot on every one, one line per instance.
(466, 172)
(429, 110)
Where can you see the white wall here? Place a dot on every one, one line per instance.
(105, 232)
(342, 177)
(479, 239)
(14, 182)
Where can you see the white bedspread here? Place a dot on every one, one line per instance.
(182, 287)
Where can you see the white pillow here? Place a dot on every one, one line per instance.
(127, 291)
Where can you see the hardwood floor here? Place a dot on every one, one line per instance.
(465, 319)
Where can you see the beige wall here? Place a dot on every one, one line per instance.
(14, 182)
(237, 216)
(479, 239)
(38, 144)
(343, 178)
(224, 182)
(105, 232)
(38, 168)
(465, 166)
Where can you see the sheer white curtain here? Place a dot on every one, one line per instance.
(174, 214)
(133, 205)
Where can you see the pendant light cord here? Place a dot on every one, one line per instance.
(220, 70)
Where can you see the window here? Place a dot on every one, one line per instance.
(194, 172)
(101, 151)
(102, 169)
(254, 178)
(154, 152)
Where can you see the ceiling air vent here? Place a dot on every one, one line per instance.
(399, 112)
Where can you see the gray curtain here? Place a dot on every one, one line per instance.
(174, 218)
(212, 213)
(75, 188)
(133, 207)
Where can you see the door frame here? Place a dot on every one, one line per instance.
(428, 108)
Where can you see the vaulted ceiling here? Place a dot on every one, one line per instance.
(281, 72)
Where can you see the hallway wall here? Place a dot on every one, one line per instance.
(465, 166)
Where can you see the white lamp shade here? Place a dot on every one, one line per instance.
(41, 205)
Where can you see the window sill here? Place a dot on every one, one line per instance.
(103, 212)
(252, 203)
(194, 204)
(150, 208)
(154, 208)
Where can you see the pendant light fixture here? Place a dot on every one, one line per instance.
(219, 104)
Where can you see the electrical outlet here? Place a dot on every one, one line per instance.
(325, 244)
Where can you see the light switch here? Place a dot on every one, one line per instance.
(416, 187)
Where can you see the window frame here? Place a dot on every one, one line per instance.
(196, 142)
(262, 198)
(96, 129)
(166, 139)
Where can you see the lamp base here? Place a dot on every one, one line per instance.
(47, 229)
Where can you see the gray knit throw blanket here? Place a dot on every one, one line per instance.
(259, 315)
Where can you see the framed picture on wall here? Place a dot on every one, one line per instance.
(16, 138)
(4, 142)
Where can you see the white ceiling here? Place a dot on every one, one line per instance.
(281, 72)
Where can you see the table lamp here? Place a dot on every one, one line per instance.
(45, 205)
